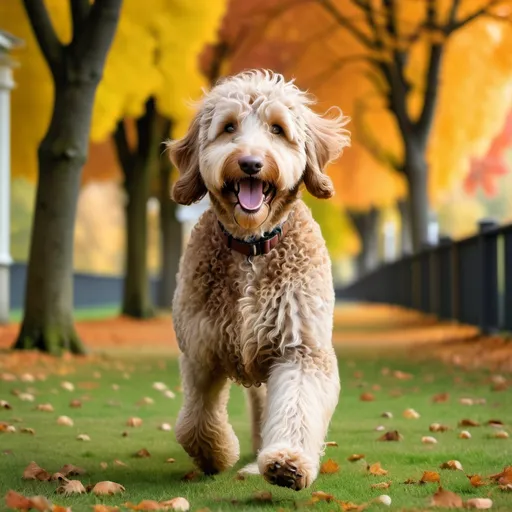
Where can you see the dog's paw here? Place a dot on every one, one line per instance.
(287, 467)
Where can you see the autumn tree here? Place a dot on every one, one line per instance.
(76, 68)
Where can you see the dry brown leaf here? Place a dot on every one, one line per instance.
(410, 481)
(392, 435)
(58, 477)
(41, 503)
(329, 467)
(178, 503)
(430, 477)
(387, 414)
(72, 470)
(331, 443)
(5, 405)
(59, 508)
(83, 437)
(65, 421)
(506, 488)
(45, 407)
(142, 454)
(466, 401)
(411, 414)
(317, 496)
(428, 440)
(134, 422)
(480, 503)
(107, 487)
(146, 401)
(366, 397)
(71, 487)
(454, 465)
(34, 472)
(355, 457)
(166, 427)
(103, 465)
(27, 430)
(448, 499)
(264, 496)
(104, 508)
(441, 398)
(191, 475)
(348, 506)
(68, 386)
(402, 375)
(501, 434)
(476, 480)
(381, 485)
(503, 478)
(495, 423)
(145, 505)
(118, 462)
(17, 501)
(376, 469)
(437, 427)
(75, 404)
(468, 423)
(465, 434)
(170, 460)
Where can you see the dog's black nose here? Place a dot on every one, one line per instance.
(250, 164)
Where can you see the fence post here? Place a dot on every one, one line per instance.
(507, 262)
(488, 277)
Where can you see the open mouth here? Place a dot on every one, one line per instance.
(251, 193)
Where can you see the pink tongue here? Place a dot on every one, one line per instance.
(251, 195)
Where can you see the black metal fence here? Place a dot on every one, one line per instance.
(469, 281)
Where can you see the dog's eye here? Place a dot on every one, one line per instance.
(276, 129)
(229, 128)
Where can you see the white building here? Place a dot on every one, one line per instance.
(7, 43)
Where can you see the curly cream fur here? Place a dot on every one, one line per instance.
(266, 321)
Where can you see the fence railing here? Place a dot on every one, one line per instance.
(469, 281)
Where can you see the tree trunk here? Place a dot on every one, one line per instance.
(366, 226)
(404, 208)
(48, 318)
(171, 239)
(136, 298)
(417, 178)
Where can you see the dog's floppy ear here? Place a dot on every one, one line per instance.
(326, 137)
(184, 154)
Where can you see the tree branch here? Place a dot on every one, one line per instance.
(79, 12)
(123, 151)
(456, 25)
(147, 129)
(344, 22)
(43, 29)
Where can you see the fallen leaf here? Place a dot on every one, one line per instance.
(58, 477)
(468, 423)
(384, 499)
(410, 481)
(380, 428)
(411, 414)
(392, 435)
(34, 472)
(402, 375)
(507, 488)
(71, 487)
(387, 415)
(452, 464)
(331, 443)
(17, 501)
(142, 453)
(146, 401)
(441, 398)
(107, 487)
(355, 457)
(480, 503)
(159, 386)
(26, 397)
(65, 421)
(41, 503)
(348, 506)
(68, 386)
(169, 394)
(145, 505)
(134, 422)
(495, 423)
(72, 470)
(191, 475)
(170, 460)
(466, 401)
(448, 499)
(366, 397)
(264, 496)
(124, 434)
(103, 465)
(465, 434)
(377, 470)
(27, 430)
(83, 437)
(503, 478)
(27, 377)
(329, 467)
(317, 496)
(428, 440)
(430, 477)
(45, 407)
(178, 503)
(437, 427)
(5, 405)
(501, 434)
(104, 508)
(381, 485)
(118, 462)
(75, 404)
(166, 427)
(476, 480)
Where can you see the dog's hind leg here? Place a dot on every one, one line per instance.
(257, 398)
(202, 427)
(302, 394)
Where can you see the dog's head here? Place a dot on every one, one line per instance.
(253, 141)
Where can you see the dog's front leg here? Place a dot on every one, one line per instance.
(302, 394)
(202, 427)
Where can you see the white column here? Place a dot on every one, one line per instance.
(389, 242)
(6, 84)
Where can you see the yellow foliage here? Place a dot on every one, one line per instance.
(459, 214)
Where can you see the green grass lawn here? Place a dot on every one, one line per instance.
(105, 410)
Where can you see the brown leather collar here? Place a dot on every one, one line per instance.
(261, 246)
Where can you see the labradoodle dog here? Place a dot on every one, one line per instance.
(254, 299)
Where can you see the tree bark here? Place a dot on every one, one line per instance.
(171, 239)
(417, 179)
(404, 208)
(366, 226)
(76, 69)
